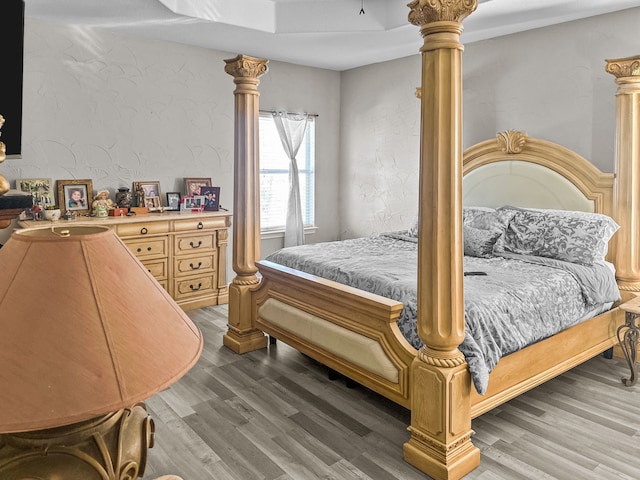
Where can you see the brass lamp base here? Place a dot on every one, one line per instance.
(112, 447)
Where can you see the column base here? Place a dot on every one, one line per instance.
(242, 337)
(439, 465)
(246, 342)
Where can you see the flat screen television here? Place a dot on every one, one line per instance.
(11, 62)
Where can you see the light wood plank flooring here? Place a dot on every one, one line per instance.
(273, 414)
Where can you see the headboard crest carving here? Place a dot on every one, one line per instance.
(511, 141)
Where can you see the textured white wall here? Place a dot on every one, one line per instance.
(380, 147)
(117, 109)
(549, 82)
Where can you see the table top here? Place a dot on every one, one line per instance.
(632, 306)
(150, 217)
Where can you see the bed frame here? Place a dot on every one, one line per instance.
(355, 332)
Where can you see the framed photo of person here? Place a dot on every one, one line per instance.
(192, 203)
(192, 186)
(75, 196)
(173, 200)
(211, 198)
(147, 189)
(152, 202)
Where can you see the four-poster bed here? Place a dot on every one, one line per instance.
(355, 332)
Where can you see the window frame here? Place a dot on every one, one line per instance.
(306, 172)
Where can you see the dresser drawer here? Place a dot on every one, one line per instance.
(195, 264)
(195, 224)
(142, 228)
(200, 285)
(148, 247)
(190, 244)
(163, 284)
(157, 268)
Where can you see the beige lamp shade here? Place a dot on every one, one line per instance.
(85, 329)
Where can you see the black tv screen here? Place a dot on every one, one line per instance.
(11, 55)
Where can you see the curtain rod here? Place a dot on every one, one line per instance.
(292, 113)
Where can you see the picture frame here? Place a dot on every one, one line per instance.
(148, 188)
(75, 196)
(211, 198)
(192, 185)
(152, 202)
(173, 200)
(41, 189)
(192, 203)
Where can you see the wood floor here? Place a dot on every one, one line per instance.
(273, 414)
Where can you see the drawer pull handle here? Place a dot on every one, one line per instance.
(200, 225)
(144, 231)
(195, 246)
(139, 250)
(195, 289)
(148, 249)
(195, 267)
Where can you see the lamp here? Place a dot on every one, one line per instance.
(86, 334)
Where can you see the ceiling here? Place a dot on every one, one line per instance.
(330, 34)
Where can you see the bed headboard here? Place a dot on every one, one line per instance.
(513, 169)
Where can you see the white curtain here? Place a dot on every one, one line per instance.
(291, 128)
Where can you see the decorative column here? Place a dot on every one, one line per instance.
(241, 337)
(440, 443)
(626, 187)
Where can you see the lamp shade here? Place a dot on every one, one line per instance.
(85, 329)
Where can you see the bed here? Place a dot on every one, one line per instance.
(356, 332)
(511, 299)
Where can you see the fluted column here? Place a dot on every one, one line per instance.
(626, 190)
(440, 443)
(241, 337)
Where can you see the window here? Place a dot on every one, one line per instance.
(274, 176)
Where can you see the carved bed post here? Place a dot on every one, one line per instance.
(626, 187)
(241, 336)
(440, 443)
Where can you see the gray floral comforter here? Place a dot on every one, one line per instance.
(521, 300)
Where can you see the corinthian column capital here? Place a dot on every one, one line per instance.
(624, 67)
(429, 11)
(245, 66)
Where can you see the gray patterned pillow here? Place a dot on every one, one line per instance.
(485, 218)
(479, 242)
(577, 237)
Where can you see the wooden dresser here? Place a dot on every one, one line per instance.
(185, 252)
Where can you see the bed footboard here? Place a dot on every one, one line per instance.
(527, 368)
(350, 331)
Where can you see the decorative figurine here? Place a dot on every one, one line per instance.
(139, 197)
(102, 204)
